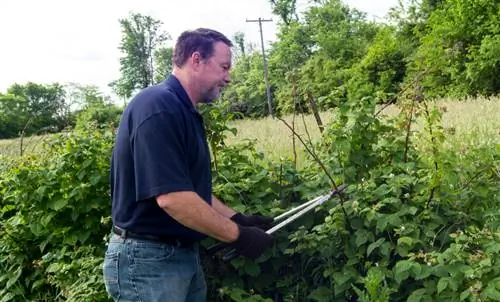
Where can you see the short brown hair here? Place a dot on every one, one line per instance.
(201, 39)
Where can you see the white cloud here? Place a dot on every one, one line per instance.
(77, 41)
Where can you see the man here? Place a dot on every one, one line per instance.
(161, 183)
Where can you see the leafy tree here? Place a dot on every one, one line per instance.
(458, 50)
(142, 43)
(289, 53)
(12, 114)
(247, 92)
(332, 38)
(285, 9)
(84, 96)
(163, 59)
(33, 108)
(381, 71)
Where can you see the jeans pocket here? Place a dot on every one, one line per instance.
(151, 252)
(110, 269)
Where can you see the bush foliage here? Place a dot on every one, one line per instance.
(418, 222)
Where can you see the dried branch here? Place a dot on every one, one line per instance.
(408, 129)
(434, 150)
(394, 100)
(313, 154)
(294, 143)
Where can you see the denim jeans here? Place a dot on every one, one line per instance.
(140, 270)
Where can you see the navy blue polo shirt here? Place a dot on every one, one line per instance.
(160, 147)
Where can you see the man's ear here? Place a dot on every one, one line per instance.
(196, 60)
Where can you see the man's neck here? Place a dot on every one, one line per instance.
(187, 83)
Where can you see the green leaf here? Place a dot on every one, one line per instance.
(251, 268)
(374, 245)
(464, 295)
(404, 245)
(408, 241)
(382, 222)
(386, 248)
(491, 292)
(402, 270)
(8, 297)
(442, 284)
(416, 269)
(417, 295)
(361, 237)
(53, 267)
(425, 271)
(57, 204)
(36, 228)
(14, 277)
(46, 218)
(485, 262)
(321, 294)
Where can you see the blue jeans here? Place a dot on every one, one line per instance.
(140, 270)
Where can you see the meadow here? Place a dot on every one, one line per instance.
(474, 121)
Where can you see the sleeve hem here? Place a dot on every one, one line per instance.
(153, 192)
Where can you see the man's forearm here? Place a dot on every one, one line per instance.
(220, 207)
(192, 211)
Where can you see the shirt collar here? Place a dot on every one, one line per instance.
(176, 86)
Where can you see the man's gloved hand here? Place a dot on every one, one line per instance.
(252, 241)
(252, 220)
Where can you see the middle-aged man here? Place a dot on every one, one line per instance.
(162, 201)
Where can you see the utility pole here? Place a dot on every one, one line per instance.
(268, 89)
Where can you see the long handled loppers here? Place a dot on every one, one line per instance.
(287, 218)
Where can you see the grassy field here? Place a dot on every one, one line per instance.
(470, 122)
(12, 147)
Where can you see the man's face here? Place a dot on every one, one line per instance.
(214, 72)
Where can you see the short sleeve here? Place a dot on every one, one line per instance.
(159, 153)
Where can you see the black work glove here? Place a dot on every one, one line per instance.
(257, 220)
(252, 241)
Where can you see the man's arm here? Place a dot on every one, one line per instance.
(220, 207)
(192, 211)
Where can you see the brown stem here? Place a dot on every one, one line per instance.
(306, 129)
(215, 157)
(322, 165)
(395, 98)
(315, 112)
(23, 132)
(434, 150)
(294, 143)
(316, 158)
(408, 128)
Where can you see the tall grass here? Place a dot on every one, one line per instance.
(469, 122)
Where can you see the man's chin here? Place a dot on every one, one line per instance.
(211, 98)
(208, 101)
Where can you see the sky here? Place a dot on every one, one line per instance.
(46, 41)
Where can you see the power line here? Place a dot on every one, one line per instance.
(268, 89)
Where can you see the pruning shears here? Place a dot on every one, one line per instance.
(292, 215)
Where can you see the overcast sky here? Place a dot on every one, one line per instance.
(46, 41)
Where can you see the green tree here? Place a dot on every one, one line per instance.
(37, 108)
(381, 70)
(460, 49)
(12, 115)
(163, 59)
(143, 47)
(247, 92)
(285, 9)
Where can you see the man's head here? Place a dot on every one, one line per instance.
(204, 57)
